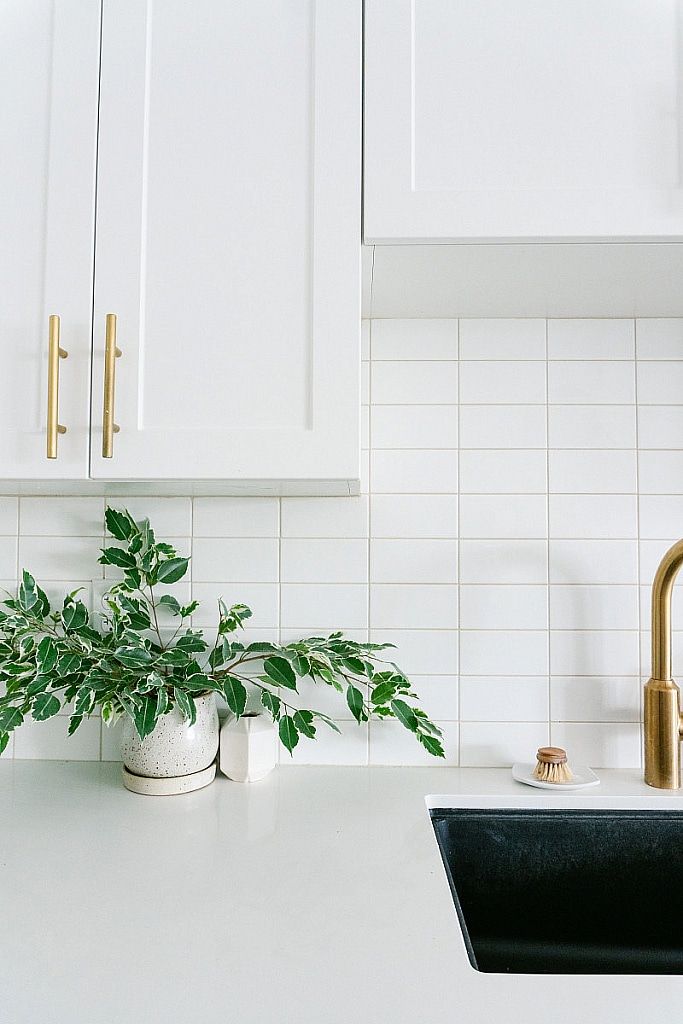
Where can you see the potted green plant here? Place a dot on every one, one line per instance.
(163, 682)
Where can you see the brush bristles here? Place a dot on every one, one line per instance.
(556, 773)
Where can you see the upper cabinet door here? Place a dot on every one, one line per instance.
(49, 64)
(518, 120)
(228, 241)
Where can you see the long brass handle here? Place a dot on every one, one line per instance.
(54, 354)
(111, 354)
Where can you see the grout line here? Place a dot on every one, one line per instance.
(369, 517)
(638, 531)
(459, 536)
(547, 518)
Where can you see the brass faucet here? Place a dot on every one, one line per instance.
(662, 706)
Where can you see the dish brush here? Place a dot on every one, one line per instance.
(551, 765)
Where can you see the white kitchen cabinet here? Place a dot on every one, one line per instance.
(228, 241)
(522, 120)
(49, 63)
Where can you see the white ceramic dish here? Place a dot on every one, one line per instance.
(583, 778)
(168, 786)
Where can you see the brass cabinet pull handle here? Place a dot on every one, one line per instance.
(111, 354)
(55, 353)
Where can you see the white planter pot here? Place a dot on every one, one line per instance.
(175, 747)
(248, 748)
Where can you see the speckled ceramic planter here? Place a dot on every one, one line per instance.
(175, 747)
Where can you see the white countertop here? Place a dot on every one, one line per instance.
(317, 895)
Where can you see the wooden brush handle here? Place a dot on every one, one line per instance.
(552, 755)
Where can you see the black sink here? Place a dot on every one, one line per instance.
(566, 891)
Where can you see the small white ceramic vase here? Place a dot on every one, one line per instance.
(248, 747)
(174, 747)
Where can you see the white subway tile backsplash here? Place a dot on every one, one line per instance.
(421, 651)
(661, 515)
(503, 607)
(651, 553)
(414, 515)
(504, 540)
(591, 339)
(660, 426)
(391, 744)
(503, 426)
(243, 560)
(324, 606)
(660, 338)
(593, 561)
(503, 472)
(323, 561)
(262, 598)
(439, 694)
(414, 561)
(325, 517)
(660, 383)
(503, 652)
(592, 381)
(660, 472)
(61, 517)
(499, 561)
(503, 515)
(596, 607)
(595, 699)
(9, 516)
(414, 339)
(592, 426)
(8, 558)
(58, 558)
(503, 381)
(594, 653)
(502, 339)
(235, 517)
(419, 383)
(414, 472)
(600, 745)
(413, 606)
(419, 426)
(497, 744)
(593, 515)
(348, 747)
(504, 699)
(592, 472)
(50, 740)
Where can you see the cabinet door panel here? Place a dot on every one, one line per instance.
(228, 238)
(49, 62)
(519, 119)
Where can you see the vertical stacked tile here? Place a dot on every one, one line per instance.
(593, 518)
(324, 551)
(413, 520)
(236, 558)
(659, 353)
(324, 587)
(503, 541)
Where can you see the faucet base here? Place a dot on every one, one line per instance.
(662, 718)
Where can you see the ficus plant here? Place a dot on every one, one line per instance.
(126, 662)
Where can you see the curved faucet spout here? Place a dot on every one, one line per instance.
(662, 700)
(662, 588)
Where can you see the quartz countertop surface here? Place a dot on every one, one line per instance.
(317, 895)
